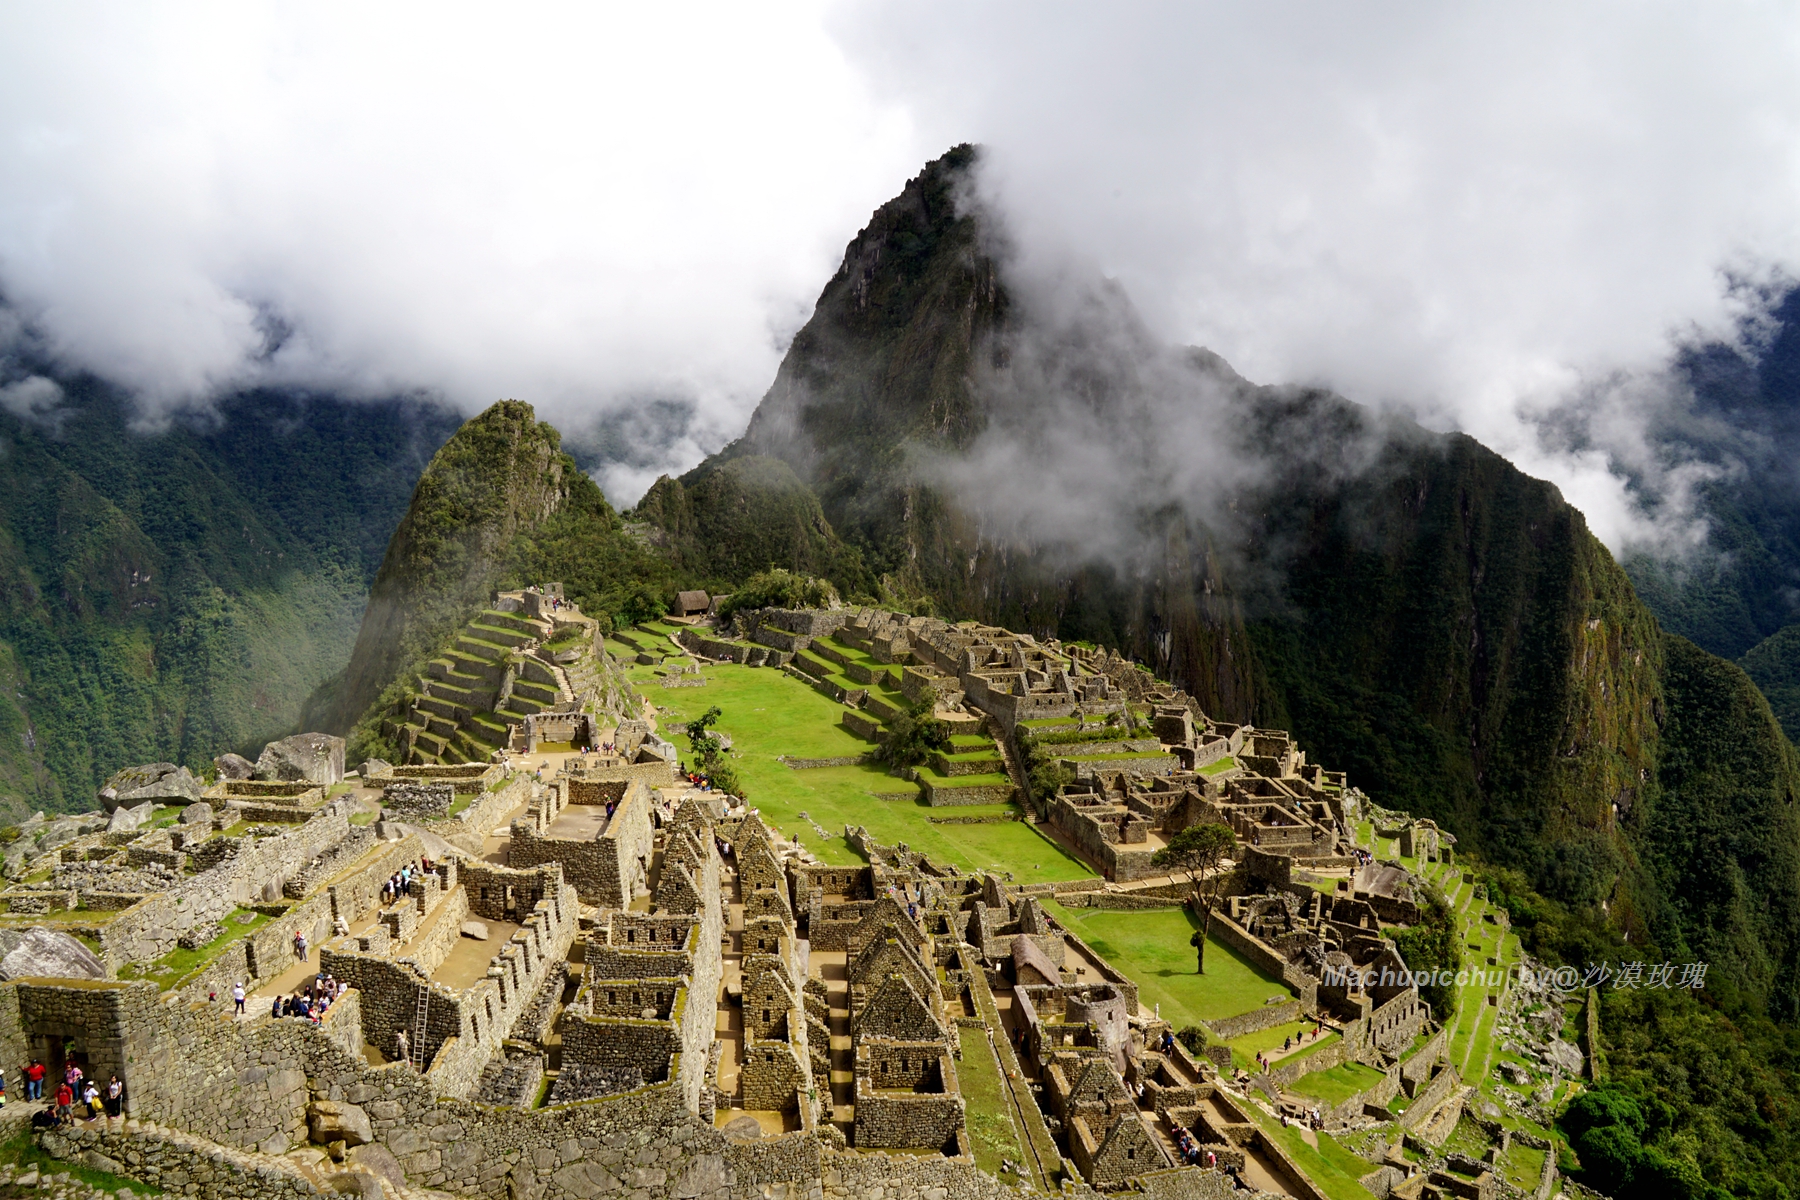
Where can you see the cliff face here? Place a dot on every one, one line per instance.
(1417, 611)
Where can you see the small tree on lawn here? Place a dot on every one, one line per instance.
(1199, 852)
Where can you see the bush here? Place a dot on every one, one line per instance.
(778, 589)
(911, 739)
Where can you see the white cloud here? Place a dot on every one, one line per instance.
(1474, 212)
(568, 204)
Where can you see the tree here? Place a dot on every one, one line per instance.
(1199, 852)
(911, 738)
(709, 757)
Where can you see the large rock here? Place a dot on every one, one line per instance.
(164, 783)
(373, 767)
(126, 819)
(234, 766)
(312, 757)
(475, 929)
(44, 952)
(197, 814)
(336, 1121)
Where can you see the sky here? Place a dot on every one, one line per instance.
(1489, 216)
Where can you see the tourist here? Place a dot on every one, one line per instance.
(72, 1075)
(90, 1100)
(402, 1050)
(279, 1008)
(34, 1080)
(237, 996)
(115, 1096)
(299, 945)
(65, 1101)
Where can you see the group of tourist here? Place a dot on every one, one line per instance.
(77, 1098)
(1312, 1118)
(400, 882)
(1192, 1152)
(1363, 857)
(310, 1002)
(1292, 1042)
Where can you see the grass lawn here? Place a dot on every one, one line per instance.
(1522, 1166)
(769, 714)
(1151, 948)
(1219, 766)
(1268, 1043)
(990, 1118)
(1339, 1083)
(1330, 1166)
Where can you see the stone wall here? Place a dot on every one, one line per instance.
(180, 1164)
(149, 929)
(607, 871)
(418, 801)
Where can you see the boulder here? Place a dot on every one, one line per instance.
(234, 766)
(310, 757)
(197, 814)
(44, 952)
(374, 767)
(1566, 1057)
(744, 1127)
(126, 819)
(475, 929)
(164, 783)
(337, 1121)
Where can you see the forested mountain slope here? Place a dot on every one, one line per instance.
(175, 593)
(1413, 607)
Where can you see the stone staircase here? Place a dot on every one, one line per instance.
(484, 684)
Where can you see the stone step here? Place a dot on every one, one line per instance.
(477, 647)
(499, 636)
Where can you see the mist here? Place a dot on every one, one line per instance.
(1500, 219)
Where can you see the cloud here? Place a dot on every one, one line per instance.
(575, 205)
(34, 399)
(1478, 214)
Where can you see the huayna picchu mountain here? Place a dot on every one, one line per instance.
(1409, 604)
(499, 507)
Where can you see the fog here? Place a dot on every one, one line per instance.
(1500, 219)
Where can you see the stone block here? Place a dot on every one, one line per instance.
(333, 1120)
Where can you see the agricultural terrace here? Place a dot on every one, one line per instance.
(769, 715)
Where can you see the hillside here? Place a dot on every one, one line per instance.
(175, 593)
(1413, 607)
(498, 506)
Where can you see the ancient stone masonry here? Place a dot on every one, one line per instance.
(604, 983)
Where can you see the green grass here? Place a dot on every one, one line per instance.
(20, 1149)
(461, 803)
(1219, 766)
(1522, 1166)
(770, 714)
(177, 964)
(1332, 1168)
(1268, 1042)
(363, 818)
(990, 1117)
(1339, 1083)
(1151, 948)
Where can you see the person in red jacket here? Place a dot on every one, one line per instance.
(34, 1080)
(65, 1099)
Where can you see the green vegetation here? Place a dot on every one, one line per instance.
(1337, 1084)
(20, 1150)
(990, 1116)
(1431, 945)
(1329, 1165)
(770, 714)
(1199, 852)
(1151, 948)
(179, 963)
(912, 736)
